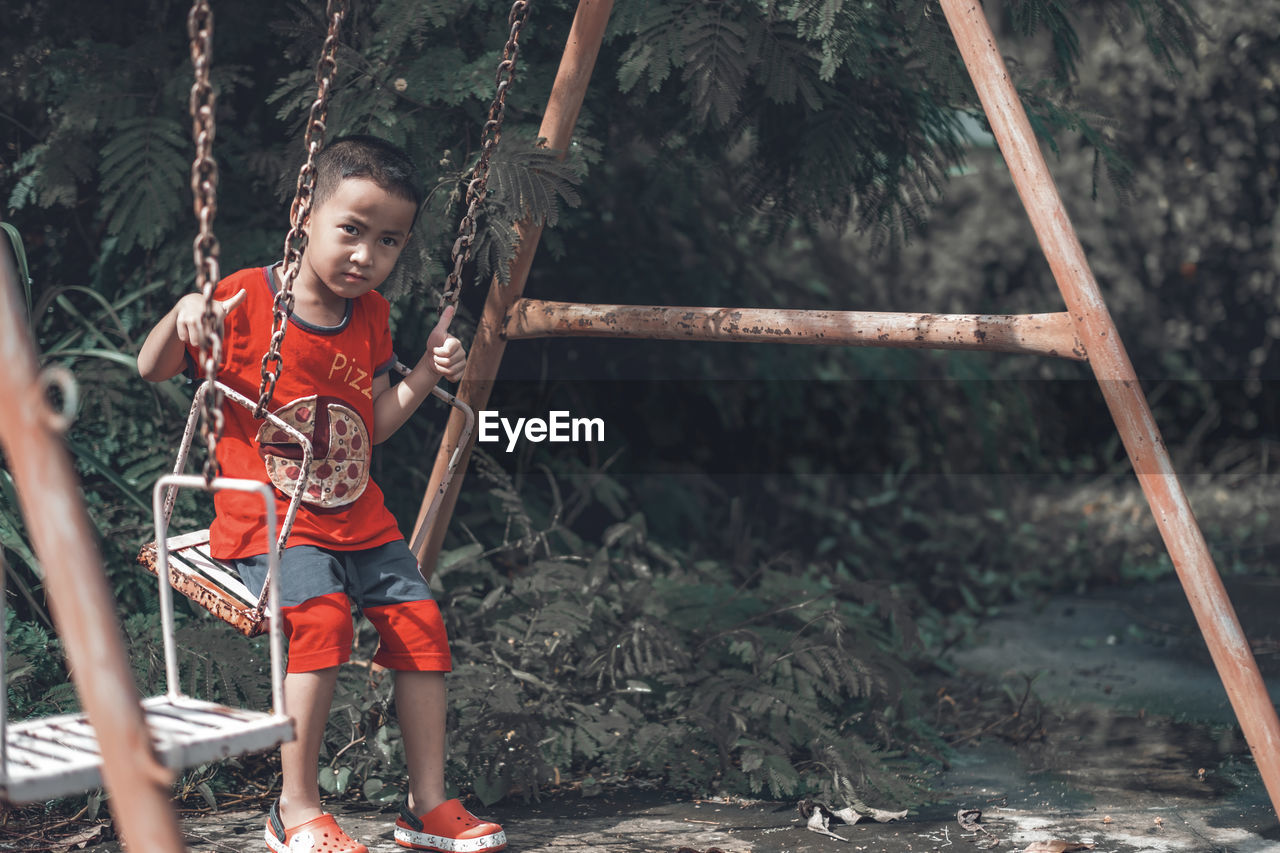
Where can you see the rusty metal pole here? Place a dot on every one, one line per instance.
(1034, 334)
(83, 610)
(1121, 390)
(558, 121)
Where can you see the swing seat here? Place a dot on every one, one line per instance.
(58, 756)
(209, 583)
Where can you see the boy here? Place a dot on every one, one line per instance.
(345, 545)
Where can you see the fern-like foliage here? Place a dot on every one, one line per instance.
(637, 661)
(526, 184)
(504, 491)
(494, 248)
(815, 19)
(716, 65)
(412, 21)
(530, 183)
(1030, 16)
(788, 65)
(143, 169)
(658, 48)
(843, 109)
(214, 663)
(32, 666)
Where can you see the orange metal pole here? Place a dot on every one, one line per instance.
(83, 609)
(1128, 405)
(1035, 334)
(558, 121)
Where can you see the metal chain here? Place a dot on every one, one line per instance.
(489, 136)
(295, 242)
(205, 248)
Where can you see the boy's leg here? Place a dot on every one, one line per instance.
(389, 589)
(308, 696)
(414, 644)
(317, 626)
(421, 706)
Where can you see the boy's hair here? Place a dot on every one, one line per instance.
(360, 156)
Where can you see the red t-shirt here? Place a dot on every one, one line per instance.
(325, 390)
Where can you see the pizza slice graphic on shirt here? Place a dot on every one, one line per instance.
(339, 470)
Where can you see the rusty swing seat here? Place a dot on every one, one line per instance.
(209, 583)
(214, 585)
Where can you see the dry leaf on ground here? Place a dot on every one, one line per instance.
(969, 820)
(848, 815)
(818, 816)
(818, 822)
(818, 819)
(81, 840)
(1055, 847)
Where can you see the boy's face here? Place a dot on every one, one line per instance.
(356, 236)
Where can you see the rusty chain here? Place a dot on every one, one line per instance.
(205, 249)
(489, 136)
(295, 242)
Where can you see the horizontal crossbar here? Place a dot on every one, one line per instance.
(1036, 334)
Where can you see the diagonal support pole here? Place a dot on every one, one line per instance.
(567, 93)
(1121, 390)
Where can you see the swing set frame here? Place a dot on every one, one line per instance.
(1084, 332)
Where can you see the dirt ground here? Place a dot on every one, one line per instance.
(1132, 748)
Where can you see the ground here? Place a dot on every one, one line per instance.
(1131, 747)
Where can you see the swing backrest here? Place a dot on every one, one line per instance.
(193, 421)
(189, 567)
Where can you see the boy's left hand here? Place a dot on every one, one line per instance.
(448, 358)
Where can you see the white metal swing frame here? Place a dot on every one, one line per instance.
(49, 757)
(192, 569)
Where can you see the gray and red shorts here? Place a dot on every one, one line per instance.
(318, 587)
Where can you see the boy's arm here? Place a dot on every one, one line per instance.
(392, 405)
(164, 352)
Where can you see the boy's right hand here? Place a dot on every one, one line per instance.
(190, 316)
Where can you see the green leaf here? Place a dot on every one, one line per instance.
(372, 789)
(328, 779)
(207, 794)
(142, 174)
(490, 790)
(108, 471)
(715, 65)
(458, 556)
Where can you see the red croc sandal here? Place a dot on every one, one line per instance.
(448, 828)
(318, 835)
